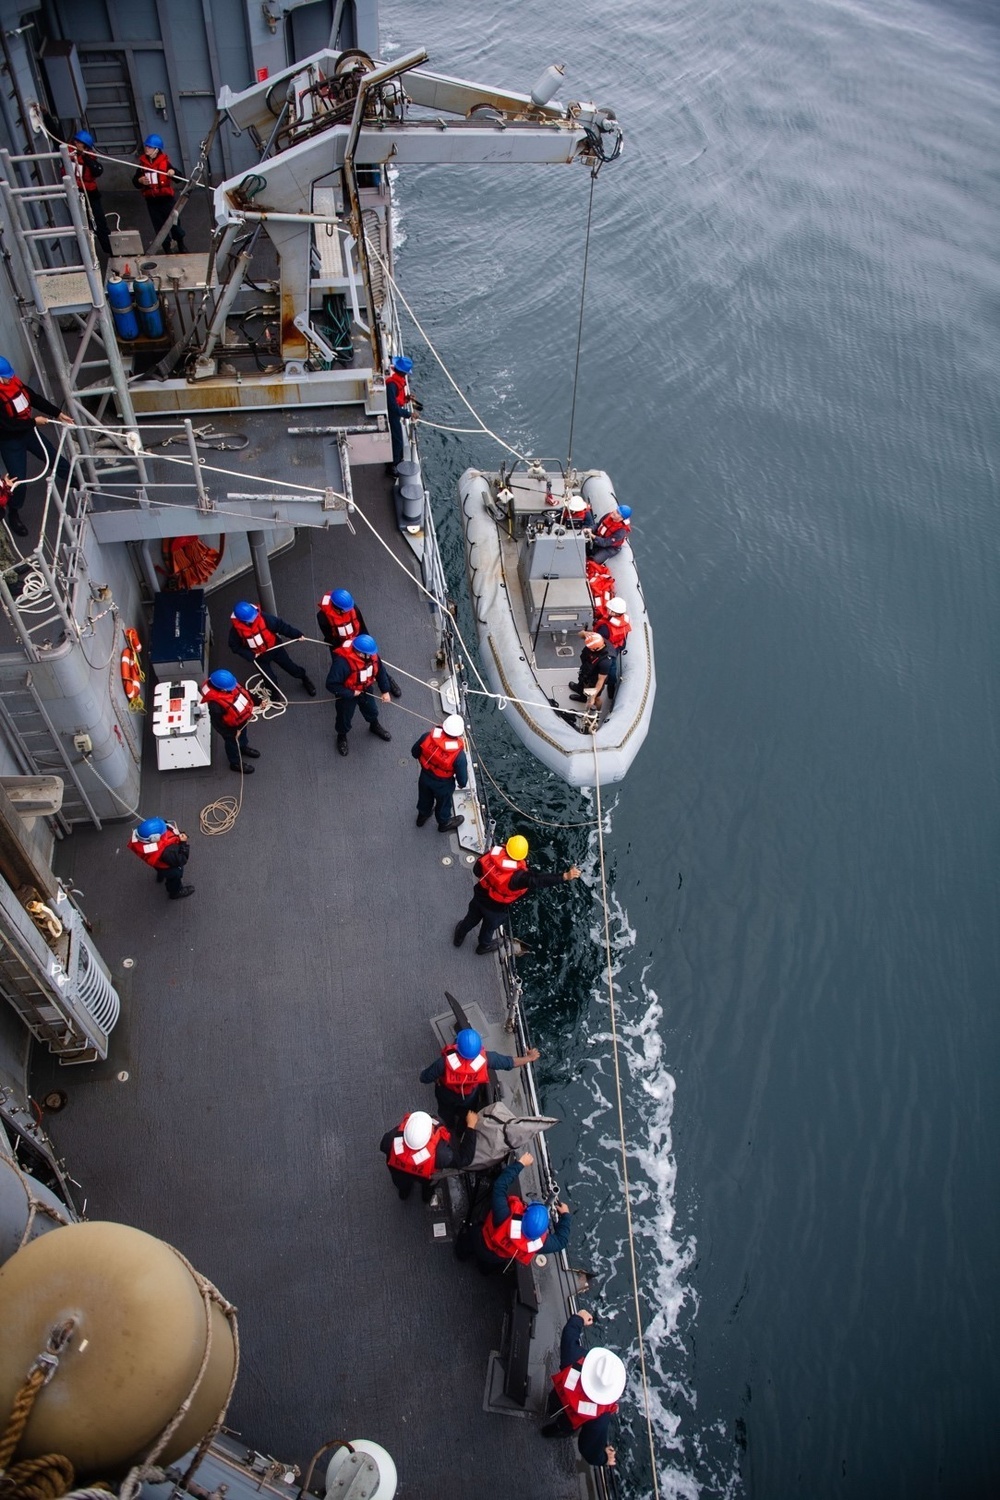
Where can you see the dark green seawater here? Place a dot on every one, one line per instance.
(790, 370)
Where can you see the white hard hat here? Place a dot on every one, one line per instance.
(617, 605)
(576, 503)
(602, 1376)
(418, 1130)
(454, 724)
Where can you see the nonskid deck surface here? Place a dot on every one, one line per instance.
(273, 1027)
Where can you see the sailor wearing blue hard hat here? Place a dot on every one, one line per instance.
(165, 849)
(230, 708)
(340, 620)
(155, 178)
(257, 637)
(459, 1075)
(611, 533)
(514, 1230)
(22, 411)
(88, 169)
(357, 679)
(398, 404)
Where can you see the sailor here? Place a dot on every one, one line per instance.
(257, 638)
(398, 404)
(340, 620)
(588, 1387)
(577, 514)
(443, 766)
(459, 1075)
(155, 179)
(19, 436)
(616, 627)
(502, 877)
(597, 667)
(230, 708)
(611, 533)
(166, 850)
(354, 672)
(421, 1147)
(88, 169)
(515, 1230)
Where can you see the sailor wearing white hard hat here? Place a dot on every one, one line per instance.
(587, 1389)
(421, 1147)
(443, 766)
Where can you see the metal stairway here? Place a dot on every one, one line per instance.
(39, 749)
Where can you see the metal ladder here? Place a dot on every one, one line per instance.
(38, 747)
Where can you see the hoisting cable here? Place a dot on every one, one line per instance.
(609, 963)
(486, 431)
(579, 331)
(531, 817)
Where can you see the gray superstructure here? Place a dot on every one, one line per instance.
(272, 1027)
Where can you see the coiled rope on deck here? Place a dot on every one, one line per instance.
(609, 971)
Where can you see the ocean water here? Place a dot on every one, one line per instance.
(790, 369)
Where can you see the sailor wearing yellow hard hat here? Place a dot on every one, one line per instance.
(502, 877)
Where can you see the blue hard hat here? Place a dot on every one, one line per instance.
(245, 613)
(223, 680)
(154, 142)
(469, 1043)
(342, 599)
(624, 511)
(151, 828)
(6, 369)
(535, 1222)
(402, 364)
(84, 137)
(366, 645)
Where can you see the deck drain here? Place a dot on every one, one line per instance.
(128, 963)
(123, 1076)
(447, 860)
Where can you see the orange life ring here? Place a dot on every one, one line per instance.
(132, 674)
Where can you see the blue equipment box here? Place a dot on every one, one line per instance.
(181, 635)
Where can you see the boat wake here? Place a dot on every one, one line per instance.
(686, 1451)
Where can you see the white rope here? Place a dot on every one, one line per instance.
(119, 161)
(487, 431)
(621, 1119)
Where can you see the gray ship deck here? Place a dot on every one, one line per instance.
(273, 1027)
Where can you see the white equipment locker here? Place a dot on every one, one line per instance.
(181, 727)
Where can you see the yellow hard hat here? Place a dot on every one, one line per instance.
(517, 846)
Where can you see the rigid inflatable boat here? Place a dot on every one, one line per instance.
(528, 580)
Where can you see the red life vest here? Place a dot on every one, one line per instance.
(577, 1406)
(158, 167)
(255, 635)
(363, 669)
(6, 491)
(498, 871)
(462, 1076)
(396, 384)
(438, 753)
(83, 165)
(613, 528)
(418, 1163)
(15, 400)
(343, 622)
(237, 705)
(508, 1241)
(153, 850)
(619, 628)
(602, 587)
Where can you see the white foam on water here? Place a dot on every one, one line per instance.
(664, 1257)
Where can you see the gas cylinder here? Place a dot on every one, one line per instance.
(120, 302)
(147, 305)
